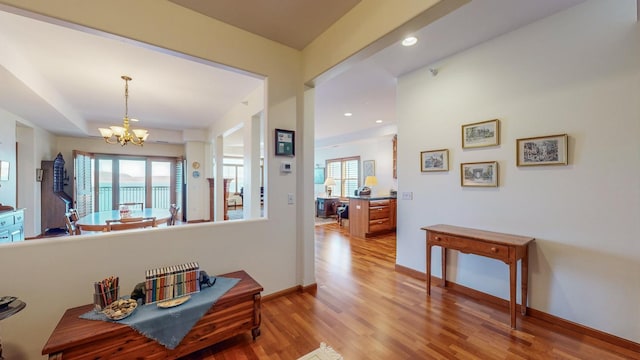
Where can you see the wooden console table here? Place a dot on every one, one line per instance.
(505, 247)
(236, 311)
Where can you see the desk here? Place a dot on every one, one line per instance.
(327, 206)
(235, 312)
(505, 247)
(98, 221)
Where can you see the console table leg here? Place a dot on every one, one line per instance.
(429, 270)
(513, 272)
(525, 280)
(444, 266)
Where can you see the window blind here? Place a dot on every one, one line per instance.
(345, 172)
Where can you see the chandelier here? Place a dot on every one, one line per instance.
(124, 135)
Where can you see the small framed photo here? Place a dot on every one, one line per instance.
(481, 174)
(542, 150)
(368, 168)
(481, 134)
(434, 160)
(285, 142)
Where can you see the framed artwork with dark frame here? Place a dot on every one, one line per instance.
(542, 150)
(434, 160)
(481, 134)
(479, 174)
(285, 142)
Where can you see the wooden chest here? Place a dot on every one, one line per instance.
(235, 312)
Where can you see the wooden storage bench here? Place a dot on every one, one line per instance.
(237, 311)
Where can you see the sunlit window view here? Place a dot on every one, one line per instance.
(345, 173)
(152, 182)
(132, 176)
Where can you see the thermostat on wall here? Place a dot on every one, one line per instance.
(285, 167)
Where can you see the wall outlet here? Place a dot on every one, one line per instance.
(407, 195)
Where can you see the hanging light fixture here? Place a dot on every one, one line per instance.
(123, 135)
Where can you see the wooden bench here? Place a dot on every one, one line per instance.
(236, 311)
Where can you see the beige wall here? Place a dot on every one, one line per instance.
(54, 274)
(552, 77)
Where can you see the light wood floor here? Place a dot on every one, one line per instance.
(366, 310)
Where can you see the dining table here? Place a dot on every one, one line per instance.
(97, 221)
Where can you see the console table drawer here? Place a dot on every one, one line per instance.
(468, 246)
(379, 225)
(380, 212)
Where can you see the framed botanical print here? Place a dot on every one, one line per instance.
(368, 168)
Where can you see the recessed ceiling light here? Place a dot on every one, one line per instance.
(409, 41)
(347, 114)
(378, 121)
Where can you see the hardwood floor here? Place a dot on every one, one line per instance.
(366, 310)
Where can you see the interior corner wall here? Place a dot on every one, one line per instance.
(576, 72)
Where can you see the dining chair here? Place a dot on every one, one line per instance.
(131, 223)
(137, 206)
(70, 219)
(173, 210)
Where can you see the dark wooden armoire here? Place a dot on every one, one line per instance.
(55, 203)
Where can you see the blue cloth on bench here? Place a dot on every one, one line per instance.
(169, 326)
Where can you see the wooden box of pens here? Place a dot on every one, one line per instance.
(105, 292)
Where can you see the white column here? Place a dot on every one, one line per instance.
(251, 201)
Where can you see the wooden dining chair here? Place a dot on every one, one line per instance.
(134, 206)
(131, 223)
(70, 219)
(173, 210)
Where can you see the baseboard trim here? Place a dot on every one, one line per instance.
(284, 292)
(311, 288)
(533, 313)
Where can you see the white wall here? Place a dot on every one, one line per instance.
(379, 149)
(8, 153)
(577, 72)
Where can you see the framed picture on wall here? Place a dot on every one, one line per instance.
(542, 150)
(318, 176)
(285, 142)
(480, 174)
(481, 134)
(368, 168)
(434, 160)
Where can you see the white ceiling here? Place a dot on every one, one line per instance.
(68, 82)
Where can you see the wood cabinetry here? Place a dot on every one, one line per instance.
(55, 203)
(370, 216)
(11, 226)
(236, 312)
